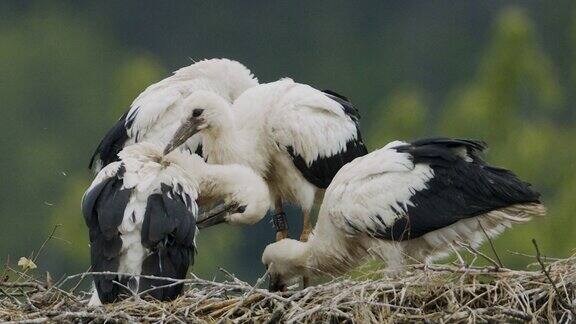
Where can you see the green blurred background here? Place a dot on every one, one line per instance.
(502, 71)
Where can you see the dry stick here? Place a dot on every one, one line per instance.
(35, 258)
(546, 258)
(241, 302)
(102, 273)
(231, 276)
(214, 306)
(28, 301)
(142, 293)
(5, 293)
(73, 290)
(46, 241)
(237, 304)
(240, 285)
(30, 321)
(469, 270)
(491, 244)
(468, 303)
(34, 285)
(475, 252)
(547, 274)
(344, 295)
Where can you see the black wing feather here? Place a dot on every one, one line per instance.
(458, 189)
(111, 205)
(441, 150)
(168, 231)
(114, 140)
(103, 208)
(321, 172)
(346, 104)
(199, 150)
(90, 199)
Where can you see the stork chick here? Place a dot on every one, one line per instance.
(157, 111)
(142, 214)
(294, 136)
(407, 200)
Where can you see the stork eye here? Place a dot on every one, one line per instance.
(197, 112)
(241, 209)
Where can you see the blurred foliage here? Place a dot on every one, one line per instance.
(403, 114)
(471, 69)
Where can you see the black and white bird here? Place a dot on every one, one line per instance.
(294, 136)
(412, 201)
(157, 112)
(142, 212)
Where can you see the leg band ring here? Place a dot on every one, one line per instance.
(280, 222)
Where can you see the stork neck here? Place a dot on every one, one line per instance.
(228, 146)
(210, 181)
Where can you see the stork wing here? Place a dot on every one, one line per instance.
(151, 105)
(404, 191)
(155, 113)
(147, 109)
(319, 130)
(168, 232)
(103, 206)
(110, 145)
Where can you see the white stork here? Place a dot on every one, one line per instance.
(157, 112)
(407, 200)
(294, 136)
(141, 212)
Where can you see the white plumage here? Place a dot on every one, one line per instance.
(410, 201)
(157, 112)
(142, 214)
(293, 135)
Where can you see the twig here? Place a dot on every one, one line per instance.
(46, 241)
(491, 244)
(547, 274)
(5, 293)
(241, 302)
(417, 293)
(474, 251)
(34, 285)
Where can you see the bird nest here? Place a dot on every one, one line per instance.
(420, 293)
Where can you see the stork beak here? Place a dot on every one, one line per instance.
(275, 284)
(216, 215)
(183, 133)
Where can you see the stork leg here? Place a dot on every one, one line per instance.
(306, 230)
(305, 282)
(306, 226)
(280, 221)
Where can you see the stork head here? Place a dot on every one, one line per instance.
(286, 262)
(246, 196)
(205, 112)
